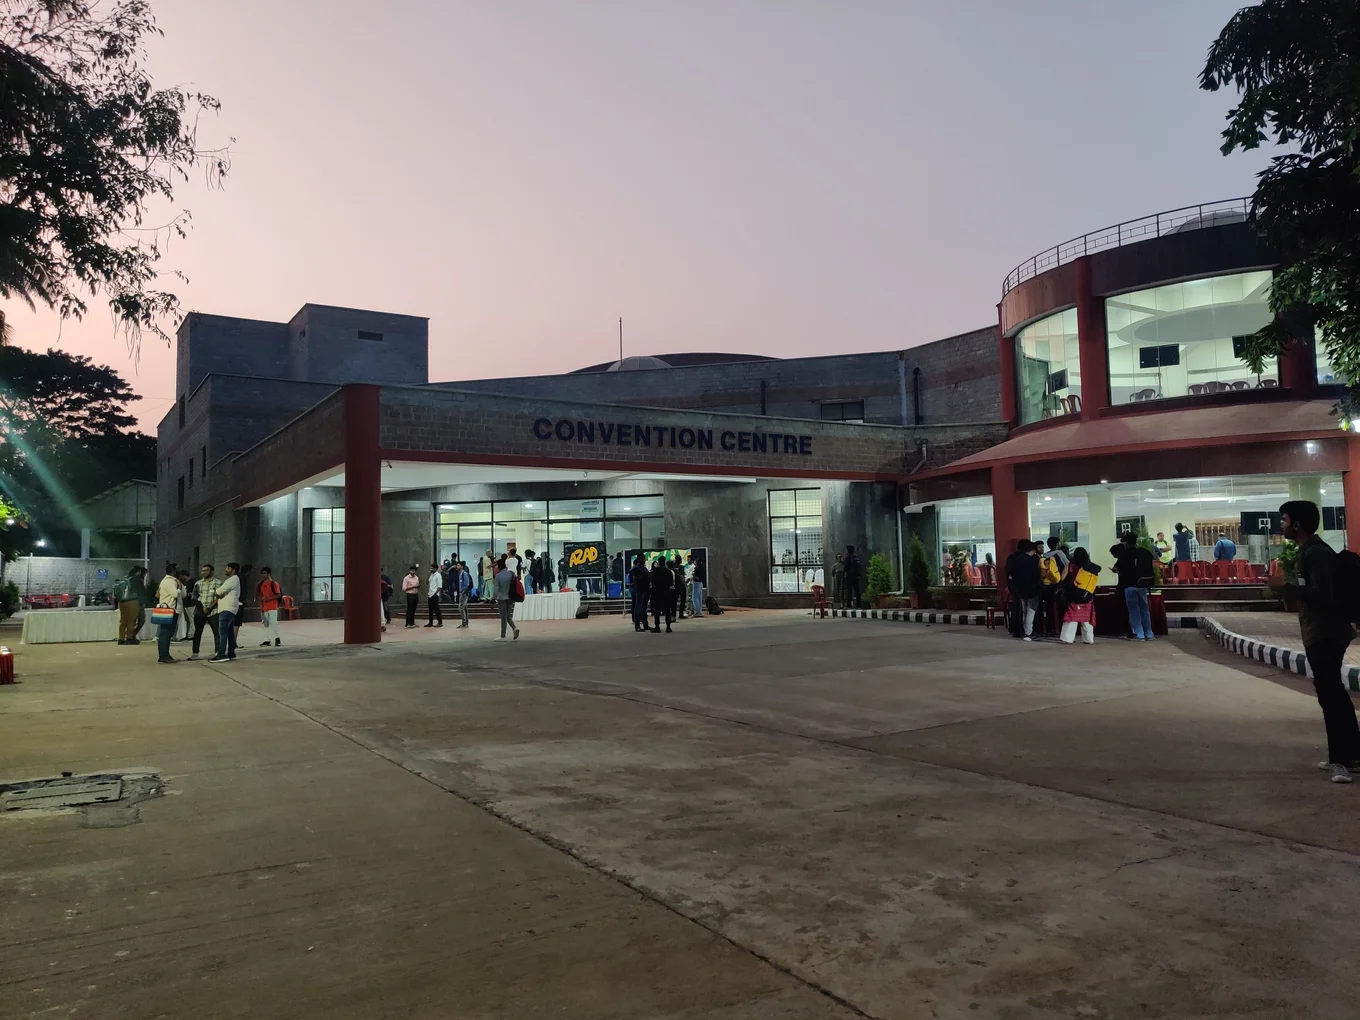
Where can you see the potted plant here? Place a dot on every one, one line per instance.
(918, 572)
(1145, 542)
(878, 581)
(1288, 562)
(958, 592)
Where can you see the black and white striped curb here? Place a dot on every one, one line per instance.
(961, 617)
(1287, 659)
(916, 616)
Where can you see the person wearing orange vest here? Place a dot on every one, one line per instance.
(270, 594)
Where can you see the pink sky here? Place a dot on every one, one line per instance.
(786, 179)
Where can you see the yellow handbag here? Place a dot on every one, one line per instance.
(1085, 580)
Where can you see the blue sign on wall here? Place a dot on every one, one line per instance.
(102, 573)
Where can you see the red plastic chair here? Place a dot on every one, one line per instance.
(819, 600)
(289, 608)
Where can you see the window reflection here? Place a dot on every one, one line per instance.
(1049, 366)
(1186, 339)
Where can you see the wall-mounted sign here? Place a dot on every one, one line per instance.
(585, 558)
(675, 437)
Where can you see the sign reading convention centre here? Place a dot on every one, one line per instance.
(611, 433)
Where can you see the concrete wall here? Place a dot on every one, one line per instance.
(407, 535)
(959, 382)
(324, 346)
(64, 575)
(211, 344)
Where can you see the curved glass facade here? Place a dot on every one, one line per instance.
(1048, 366)
(1185, 339)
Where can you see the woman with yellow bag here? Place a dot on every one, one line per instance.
(1079, 597)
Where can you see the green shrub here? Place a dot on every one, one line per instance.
(1289, 561)
(879, 580)
(919, 579)
(956, 573)
(9, 599)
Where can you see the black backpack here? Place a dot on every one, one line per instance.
(712, 607)
(1346, 584)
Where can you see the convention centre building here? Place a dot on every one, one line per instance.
(1110, 394)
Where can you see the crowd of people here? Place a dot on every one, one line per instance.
(181, 608)
(666, 588)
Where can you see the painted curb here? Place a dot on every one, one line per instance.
(957, 618)
(1287, 659)
(913, 616)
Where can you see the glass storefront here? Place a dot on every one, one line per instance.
(1186, 339)
(966, 523)
(467, 530)
(1048, 365)
(795, 539)
(1244, 508)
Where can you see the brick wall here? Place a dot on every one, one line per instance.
(512, 430)
(65, 575)
(332, 351)
(959, 382)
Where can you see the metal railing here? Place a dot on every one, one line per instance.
(1174, 221)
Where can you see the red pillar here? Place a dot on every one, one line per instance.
(1010, 511)
(1298, 370)
(1009, 386)
(363, 516)
(1350, 490)
(1091, 341)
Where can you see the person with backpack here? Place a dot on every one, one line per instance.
(130, 595)
(1052, 570)
(509, 590)
(1133, 566)
(1328, 593)
(270, 595)
(1077, 599)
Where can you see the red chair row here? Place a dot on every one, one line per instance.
(1217, 572)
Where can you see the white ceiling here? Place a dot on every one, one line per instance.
(400, 476)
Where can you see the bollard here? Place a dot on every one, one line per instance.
(6, 665)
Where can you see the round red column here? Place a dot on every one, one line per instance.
(363, 516)
(1092, 342)
(1350, 490)
(1008, 382)
(1010, 511)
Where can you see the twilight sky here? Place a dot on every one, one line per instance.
(785, 178)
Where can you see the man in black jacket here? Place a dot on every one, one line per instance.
(1133, 565)
(1325, 630)
(678, 596)
(640, 583)
(1022, 574)
(852, 578)
(662, 583)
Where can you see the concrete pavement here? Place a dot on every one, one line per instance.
(902, 821)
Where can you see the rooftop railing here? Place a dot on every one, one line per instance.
(1174, 221)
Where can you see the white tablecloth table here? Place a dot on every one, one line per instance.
(559, 605)
(56, 626)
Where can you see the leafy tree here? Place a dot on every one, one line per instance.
(88, 145)
(63, 438)
(1296, 65)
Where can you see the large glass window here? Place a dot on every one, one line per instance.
(795, 539)
(328, 554)
(1049, 367)
(1186, 339)
(1326, 374)
(966, 523)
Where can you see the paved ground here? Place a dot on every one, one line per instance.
(759, 816)
(1274, 628)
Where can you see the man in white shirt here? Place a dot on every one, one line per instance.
(228, 606)
(512, 563)
(433, 586)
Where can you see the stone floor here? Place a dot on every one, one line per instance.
(1275, 628)
(760, 815)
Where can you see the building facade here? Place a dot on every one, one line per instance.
(1129, 406)
(319, 448)
(1112, 395)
